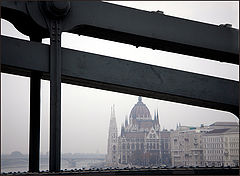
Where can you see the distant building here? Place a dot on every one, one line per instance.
(142, 143)
(221, 145)
(165, 143)
(139, 143)
(213, 145)
(224, 125)
(186, 146)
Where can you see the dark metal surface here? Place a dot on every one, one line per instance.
(117, 23)
(129, 77)
(136, 27)
(55, 96)
(18, 13)
(153, 30)
(35, 109)
(34, 139)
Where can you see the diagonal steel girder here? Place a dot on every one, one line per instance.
(92, 70)
(132, 26)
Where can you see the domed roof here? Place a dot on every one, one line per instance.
(140, 111)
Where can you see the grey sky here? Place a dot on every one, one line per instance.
(86, 111)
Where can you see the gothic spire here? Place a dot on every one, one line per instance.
(126, 121)
(122, 130)
(113, 123)
(154, 115)
(112, 138)
(113, 112)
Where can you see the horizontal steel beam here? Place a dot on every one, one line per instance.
(153, 30)
(132, 26)
(86, 69)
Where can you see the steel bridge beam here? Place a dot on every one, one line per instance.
(132, 26)
(154, 30)
(92, 70)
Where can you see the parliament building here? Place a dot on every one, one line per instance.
(141, 141)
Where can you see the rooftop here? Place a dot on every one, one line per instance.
(225, 124)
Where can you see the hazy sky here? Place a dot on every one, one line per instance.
(86, 111)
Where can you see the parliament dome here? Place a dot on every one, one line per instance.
(140, 111)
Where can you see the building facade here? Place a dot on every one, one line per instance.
(214, 145)
(141, 141)
(221, 145)
(165, 145)
(186, 146)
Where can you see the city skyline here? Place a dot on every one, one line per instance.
(119, 125)
(86, 111)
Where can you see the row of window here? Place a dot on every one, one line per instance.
(234, 151)
(213, 145)
(133, 146)
(152, 136)
(152, 146)
(134, 140)
(214, 158)
(138, 146)
(234, 139)
(213, 139)
(214, 151)
(235, 145)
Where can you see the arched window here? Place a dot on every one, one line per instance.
(123, 146)
(114, 147)
(133, 146)
(137, 146)
(128, 146)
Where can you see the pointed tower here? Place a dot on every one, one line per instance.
(122, 130)
(126, 121)
(156, 119)
(154, 116)
(112, 153)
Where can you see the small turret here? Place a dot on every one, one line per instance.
(122, 130)
(157, 118)
(126, 121)
(156, 121)
(154, 116)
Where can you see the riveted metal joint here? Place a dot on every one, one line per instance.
(56, 9)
